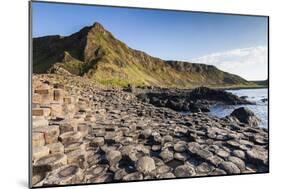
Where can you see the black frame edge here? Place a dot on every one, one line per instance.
(30, 94)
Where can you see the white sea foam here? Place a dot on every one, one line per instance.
(255, 95)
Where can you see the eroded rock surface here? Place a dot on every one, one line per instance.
(83, 133)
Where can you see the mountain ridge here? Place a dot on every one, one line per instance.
(95, 53)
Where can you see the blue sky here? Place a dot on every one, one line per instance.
(165, 34)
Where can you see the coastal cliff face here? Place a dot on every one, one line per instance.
(85, 133)
(95, 53)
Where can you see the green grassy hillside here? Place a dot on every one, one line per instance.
(97, 54)
(261, 83)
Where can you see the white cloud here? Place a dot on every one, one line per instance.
(249, 63)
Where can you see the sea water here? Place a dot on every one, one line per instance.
(260, 108)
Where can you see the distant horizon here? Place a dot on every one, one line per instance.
(242, 47)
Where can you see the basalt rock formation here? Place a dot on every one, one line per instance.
(196, 100)
(245, 115)
(84, 133)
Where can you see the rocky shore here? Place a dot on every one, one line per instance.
(84, 133)
(197, 100)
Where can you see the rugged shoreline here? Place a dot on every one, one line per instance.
(246, 87)
(83, 133)
(197, 100)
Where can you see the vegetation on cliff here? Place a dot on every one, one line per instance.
(95, 53)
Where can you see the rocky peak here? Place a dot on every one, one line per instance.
(98, 28)
(95, 52)
(97, 25)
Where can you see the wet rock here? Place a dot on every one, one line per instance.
(174, 105)
(245, 115)
(216, 95)
(197, 107)
(264, 100)
(143, 97)
(244, 97)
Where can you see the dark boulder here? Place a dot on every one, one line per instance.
(264, 100)
(158, 102)
(245, 115)
(144, 97)
(194, 108)
(185, 106)
(154, 100)
(204, 93)
(244, 97)
(197, 100)
(197, 107)
(174, 105)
